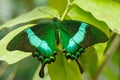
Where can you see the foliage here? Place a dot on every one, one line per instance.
(102, 14)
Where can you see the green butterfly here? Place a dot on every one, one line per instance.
(43, 38)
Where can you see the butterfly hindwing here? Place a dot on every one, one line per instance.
(44, 31)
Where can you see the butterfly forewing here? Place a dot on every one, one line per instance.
(20, 42)
(89, 33)
(68, 28)
(45, 31)
(93, 35)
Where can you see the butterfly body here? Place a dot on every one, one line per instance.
(43, 38)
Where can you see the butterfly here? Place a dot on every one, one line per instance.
(42, 40)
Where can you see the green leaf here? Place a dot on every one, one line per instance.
(100, 50)
(58, 4)
(118, 1)
(103, 10)
(77, 13)
(37, 13)
(12, 56)
(62, 69)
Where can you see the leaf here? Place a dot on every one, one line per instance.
(118, 1)
(103, 10)
(62, 69)
(58, 4)
(100, 50)
(12, 56)
(37, 13)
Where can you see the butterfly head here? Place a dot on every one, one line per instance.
(55, 19)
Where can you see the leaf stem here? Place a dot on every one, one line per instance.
(66, 10)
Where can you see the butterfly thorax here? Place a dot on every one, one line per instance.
(56, 23)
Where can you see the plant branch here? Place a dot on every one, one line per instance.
(66, 10)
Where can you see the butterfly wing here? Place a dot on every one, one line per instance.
(93, 35)
(20, 42)
(76, 36)
(80, 33)
(68, 29)
(40, 40)
(44, 31)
